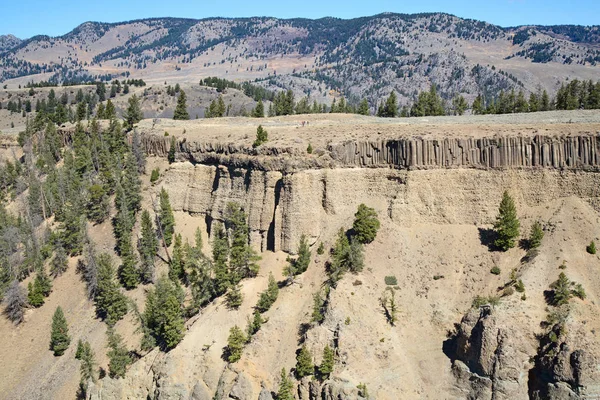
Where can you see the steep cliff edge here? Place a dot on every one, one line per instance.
(434, 197)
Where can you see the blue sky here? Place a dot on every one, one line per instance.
(56, 17)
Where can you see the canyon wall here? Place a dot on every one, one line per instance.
(498, 152)
(419, 181)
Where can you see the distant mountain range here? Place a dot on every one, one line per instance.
(323, 58)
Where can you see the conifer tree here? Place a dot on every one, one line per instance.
(87, 368)
(167, 219)
(234, 297)
(109, 111)
(59, 338)
(536, 236)
(164, 312)
(269, 296)
(172, 150)
(60, 261)
(259, 110)
(261, 136)
(507, 224)
(220, 249)
(176, 267)
(15, 302)
(235, 344)
(98, 204)
(148, 247)
(326, 367)
(243, 259)
(34, 296)
(562, 291)
(181, 112)
(317, 313)
(118, 355)
(286, 387)
(363, 107)
(303, 255)
(128, 272)
(111, 304)
(134, 113)
(132, 184)
(254, 324)
(304, 364)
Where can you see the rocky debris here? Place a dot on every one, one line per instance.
(490, 356)
(566, 368)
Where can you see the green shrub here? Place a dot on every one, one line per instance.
(437, 277)
(520, 286)
(321, 249)
(391, 280)
(309, 149)
(479, 301)
(495, 270)
(591, 248)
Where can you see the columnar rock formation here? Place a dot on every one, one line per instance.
(558, 152)
(286, 196)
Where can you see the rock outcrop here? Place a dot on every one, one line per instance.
(490, 356)
(580, 152)
(567, 367)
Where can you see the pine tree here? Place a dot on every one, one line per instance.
(15, 302)
(34, 296)
(338, 265)
(261, 136)
(138, 152)
(304, 364)
(111, 304)
(235, 344)
(172, 150)
(98, 204)
(391, 106)
(132, 184)
(326, 367)
(507, 224)
(148, 247)
(286, 387)
(134, 113)
(59, 262)
(181, 112)
(128, 272)
(365, 224)
(363, 107)
(87, 367)
(259, 110)
(536, 236)
(118, 355)
(317, 313)
(304, 254)
(59, 338)
(269, 296)
(164, 312)
(562, 292)
(176, 270)
(254, 325)
(234, 297)
(167, 219)
(220, 250)
(109, 111)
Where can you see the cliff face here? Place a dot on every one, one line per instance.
(446, 181)
(557, 152)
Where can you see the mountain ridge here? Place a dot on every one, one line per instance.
(319, 58)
